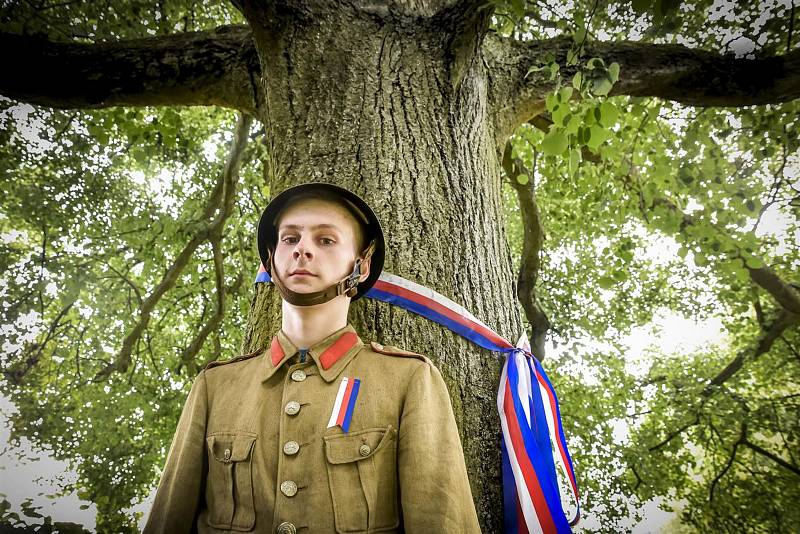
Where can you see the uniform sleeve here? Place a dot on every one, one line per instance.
(180, 490)
(434, 488)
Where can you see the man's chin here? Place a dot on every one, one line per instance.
(303, 287)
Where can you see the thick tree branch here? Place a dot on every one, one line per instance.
(190, 352)
(217, 67)
(396, 9)
(675, 434)
(673, 72)
(228, 192)
(728, 464)
(765, 341)
(532, 241)
(786, 295)
(469, 20)
(638, 478)
(774, 457)
(220, 204)
(783, 321)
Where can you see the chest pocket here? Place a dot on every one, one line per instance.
(362, 473)
(229, 486)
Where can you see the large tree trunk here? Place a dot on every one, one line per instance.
(374, 107)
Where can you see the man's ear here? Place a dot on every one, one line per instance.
(365, 265)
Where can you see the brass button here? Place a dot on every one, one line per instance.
(299, 375)
(291, 447)
(286, 528)
(292, 407)
(289, 488)
(364, 450)
(227, 454)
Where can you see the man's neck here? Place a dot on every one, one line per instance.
(307, 325)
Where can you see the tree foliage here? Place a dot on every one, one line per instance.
(646, 207)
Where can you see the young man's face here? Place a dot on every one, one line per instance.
(316, 248)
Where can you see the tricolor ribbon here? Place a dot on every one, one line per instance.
(342, 412)
(534, 448)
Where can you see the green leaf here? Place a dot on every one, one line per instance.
(595, 62)
(608, 114)
(522, 179)
(139, 155)
(584, 135)
(606, 282)
(576, 81)
(554, 143)
(579, 19)
(551, 101)
(685, 175)
(742, 274)
(572, 56)
(518, 9)
(573, 123)
(574, 159)
(598, 136)
(700, 259)
(559, 114)
(754, 262)
(613, 72)
(536, 68)
(589, 118)
(601, 86)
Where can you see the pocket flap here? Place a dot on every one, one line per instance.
(230, 447)
(344, 448)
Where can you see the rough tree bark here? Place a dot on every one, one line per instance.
(409, 104)
(384, 114)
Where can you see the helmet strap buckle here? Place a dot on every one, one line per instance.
(349, 286)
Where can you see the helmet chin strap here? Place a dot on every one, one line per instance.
(346, 286)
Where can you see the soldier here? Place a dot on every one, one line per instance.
(320, 432)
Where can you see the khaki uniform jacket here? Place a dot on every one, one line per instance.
(253, 451)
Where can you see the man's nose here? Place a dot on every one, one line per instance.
(300, 249)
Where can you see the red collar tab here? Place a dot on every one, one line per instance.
(277, 352)
(335, 351)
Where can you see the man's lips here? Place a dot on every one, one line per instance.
(301, 272)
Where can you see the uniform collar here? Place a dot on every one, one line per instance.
(331, 354)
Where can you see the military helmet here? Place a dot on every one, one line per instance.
(375, 246)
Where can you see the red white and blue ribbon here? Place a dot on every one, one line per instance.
(342, 412)
(532, 451)
(534, 447)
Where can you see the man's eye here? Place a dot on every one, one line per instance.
(289, 240)
(327, 241)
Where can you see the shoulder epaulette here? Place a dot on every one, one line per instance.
(395, 351)
(217, 363)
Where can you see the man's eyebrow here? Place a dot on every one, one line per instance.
(315, 227)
